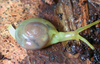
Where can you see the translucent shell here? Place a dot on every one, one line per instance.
(33, 33)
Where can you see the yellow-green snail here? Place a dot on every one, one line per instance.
(37, 33)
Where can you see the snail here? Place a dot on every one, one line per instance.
(38, 33)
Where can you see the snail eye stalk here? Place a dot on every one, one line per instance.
(74, 35)
(82, 29)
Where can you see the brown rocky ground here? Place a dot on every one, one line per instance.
(15, 11)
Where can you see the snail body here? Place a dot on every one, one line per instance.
(37, 33)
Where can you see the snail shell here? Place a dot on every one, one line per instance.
(34, 33)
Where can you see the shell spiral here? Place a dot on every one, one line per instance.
(32, 34)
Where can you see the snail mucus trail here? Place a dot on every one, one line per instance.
(38, 33)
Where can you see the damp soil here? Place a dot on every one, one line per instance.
(56, 54)
(92, 34)
(84, 12)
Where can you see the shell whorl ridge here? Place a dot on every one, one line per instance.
(35, 30)
(33, 35)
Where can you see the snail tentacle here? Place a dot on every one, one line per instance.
(73, 35)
